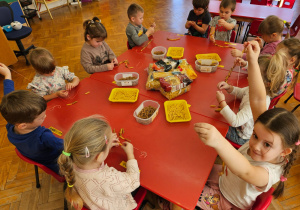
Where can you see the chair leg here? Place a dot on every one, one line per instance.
(79, 4)
(37, 176)
(295, 108)
(288, 98)
(48, 9)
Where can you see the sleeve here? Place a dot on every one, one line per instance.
(86, 62)
(129, 180)
(52, 141)
(37, 87)
(239, 119)
(190, 16)
(8, 86)
(144, 30)
(232, 21)
(138, 40)
(207, 18)
(214, 21)
(110, 52)
(67, 75)
(239, 92)
(268, 49)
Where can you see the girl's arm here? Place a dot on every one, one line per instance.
(233, 159)
(257, 91)
(73, 83)
(61, 93)
(86, 62)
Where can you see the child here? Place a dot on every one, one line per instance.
(96, 55)
(90, 181)
(259, 163)
(49, 81)
(221, 26)
(136, 33)
(198, 19)
(271, 30)
(24, 112)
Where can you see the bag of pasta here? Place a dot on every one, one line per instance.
(152, 84)
(174, 82)
(171, 95)
(165, 65)
(190, 72)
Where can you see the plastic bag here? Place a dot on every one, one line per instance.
(174, 82)
(171, 95)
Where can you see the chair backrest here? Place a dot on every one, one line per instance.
(287, 4)
(253, 30)
(5, 4)
(5, 16)
(263, 201)
(17, 11)
(275, 100)
(233, 34)
(295, 27)
(44, 168)
(259, 2)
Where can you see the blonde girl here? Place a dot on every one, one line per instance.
(259, 163)
(91, 182)
(96, 55)
(271, 30)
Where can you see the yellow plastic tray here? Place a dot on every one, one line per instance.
(214, 56)
(124, 95)
(175, 52)
(177, 111)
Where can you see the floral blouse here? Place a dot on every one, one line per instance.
(46, 85)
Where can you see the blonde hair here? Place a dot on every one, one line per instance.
(273, 70)
(42, 60)
(87, 133)
(273, 24)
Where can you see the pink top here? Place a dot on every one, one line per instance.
(269, 48)
(106, 188)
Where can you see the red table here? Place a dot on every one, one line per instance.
(248, 12)
(177, 163)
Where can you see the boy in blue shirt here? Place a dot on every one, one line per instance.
(198, 19)
(25, 111)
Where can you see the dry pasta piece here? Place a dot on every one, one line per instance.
(212, 106)
(146, 112)
(72, 103)
(218, 109)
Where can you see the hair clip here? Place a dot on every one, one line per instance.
(296, 68)
(282, 178)
(70, 185)
(284, 21)
(66, 153)
(297, 143)
(105, 137)
(87, 152)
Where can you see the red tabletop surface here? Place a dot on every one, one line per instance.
(192, 46)
(252, 11)
(177, 161)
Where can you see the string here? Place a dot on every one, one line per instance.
(18, 73)
(237, 84)
(52, 108)
(143, 153)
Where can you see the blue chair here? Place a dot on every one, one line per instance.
(6, 17)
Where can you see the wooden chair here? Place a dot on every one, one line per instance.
(275, 100)
(296, 95)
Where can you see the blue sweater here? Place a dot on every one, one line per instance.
(40, 145)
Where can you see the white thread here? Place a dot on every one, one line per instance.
(50, 109)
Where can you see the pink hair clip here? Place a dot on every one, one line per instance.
(282, 178)
(297, 143)
(105, 137)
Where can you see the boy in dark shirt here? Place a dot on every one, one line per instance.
(198, 19)
(25, 111)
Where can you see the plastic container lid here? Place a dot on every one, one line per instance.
(177, 111)
(146, 104)
(214, 56)
(124, 95)
(157, 49)
(206, 65)
(130, 82)
(175, 52)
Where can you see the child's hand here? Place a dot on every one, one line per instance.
(189, 23)
(212, 38)
(223, 86)
(220, 96)
(240, 62)
(115, 140)
(259, 40)
(221, 22)
(208, 134)
(115, 61)
(62, 93)
(153, 25)
(128, 148)
(5, 71)
(236, 53)
(150, 31)
(193, 24)
(110, 66)
(70, 86)
(252, 50)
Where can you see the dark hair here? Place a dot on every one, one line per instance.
(228, 3)
(133, 9)
(273, 24)
(286, 125)
(42, 60)
(293, 48)
(201, 4)
(22, 106)
(94, 28)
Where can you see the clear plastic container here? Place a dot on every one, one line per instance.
(130, 82)
(157, 49)
(145, 104)
(206, 65)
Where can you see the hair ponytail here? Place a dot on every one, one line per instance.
(287, 25)
(94, 28)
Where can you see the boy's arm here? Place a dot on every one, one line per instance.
(8, 84)
(52, 141)
(205, 22)
(138, 40)
(201, 29)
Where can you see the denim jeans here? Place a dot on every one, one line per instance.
(233, 136)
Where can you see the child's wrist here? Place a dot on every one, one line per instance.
(221, 101)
